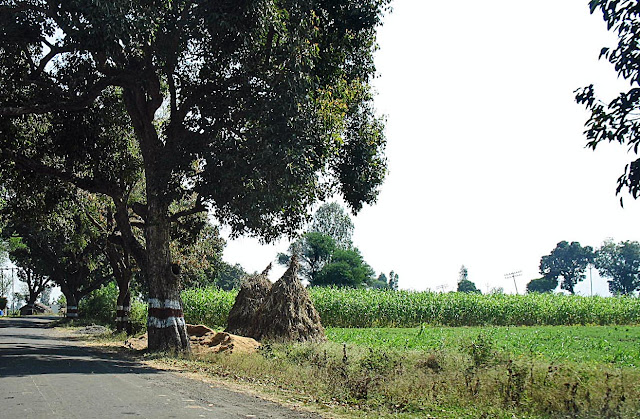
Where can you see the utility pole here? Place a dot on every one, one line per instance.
(513, 276)
(591, 278)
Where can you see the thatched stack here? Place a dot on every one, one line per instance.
(287, 313)
(252, 293)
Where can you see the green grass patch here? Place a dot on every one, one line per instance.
(611, 345)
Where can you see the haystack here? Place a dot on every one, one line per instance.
(287, 313)
(252, 293)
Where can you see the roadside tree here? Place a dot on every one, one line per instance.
(259, 108)
(617, 121)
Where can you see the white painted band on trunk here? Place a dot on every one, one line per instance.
(122, 319)
(119, 308)
(72, 314)
(123, 308)
(164, 323)
(72, 307)
(156, 303)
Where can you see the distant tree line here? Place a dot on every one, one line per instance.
(328, 257)
(567, 263)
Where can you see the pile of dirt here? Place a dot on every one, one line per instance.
(252, 294)
(287, 313)
(206, 340)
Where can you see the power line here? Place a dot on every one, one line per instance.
(513, 276)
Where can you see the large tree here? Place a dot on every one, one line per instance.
(333, 221)
(30, 271)
(619, 119)
(346, 268)
(313, 250)
(259, 108)
(620, 262)
(568, 261)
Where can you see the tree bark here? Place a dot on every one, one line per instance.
(72, 304)
(123, 309)
(166, 326)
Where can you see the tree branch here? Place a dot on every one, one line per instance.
(31, 165)
(72, 105)
(197, 208)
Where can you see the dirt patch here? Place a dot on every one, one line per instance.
(205, 340)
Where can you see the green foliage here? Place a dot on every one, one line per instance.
(393, 281)
(568, 261)
(346, 269)
(617, 120)
(616, 345)
(228, 277)
(542, 285)
(100, 307)
(314, 250)
(347, 307)
(284, 107)
(3, 302)
(467, 286)
(333, 221)
(208, 306)
(621, 263)
(380, 283)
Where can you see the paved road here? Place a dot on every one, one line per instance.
(46, 376)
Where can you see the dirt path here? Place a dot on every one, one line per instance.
(43, 375)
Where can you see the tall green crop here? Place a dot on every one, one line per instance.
(342, 307)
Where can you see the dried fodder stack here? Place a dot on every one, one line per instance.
(287, 313)
(252, 294)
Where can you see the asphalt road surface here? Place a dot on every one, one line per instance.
(47, 376)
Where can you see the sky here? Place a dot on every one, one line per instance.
(487, 160)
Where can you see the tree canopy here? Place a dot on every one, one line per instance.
(347, 268)
(618, 120)
(333, 221)
(620, 262)
(542, 285)
(258, 109)
(568, 261)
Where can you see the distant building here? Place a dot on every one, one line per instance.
(38, 308)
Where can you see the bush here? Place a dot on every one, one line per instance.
(100, 307)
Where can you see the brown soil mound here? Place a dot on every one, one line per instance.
(205, 340)
(252, 293)
(287, 313)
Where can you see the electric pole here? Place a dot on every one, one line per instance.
(513, 276)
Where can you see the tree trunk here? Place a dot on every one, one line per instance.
(72, 305)
(166, 326)
(123, 309)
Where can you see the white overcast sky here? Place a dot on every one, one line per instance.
(487, 164)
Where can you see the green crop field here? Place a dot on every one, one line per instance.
(364, 308)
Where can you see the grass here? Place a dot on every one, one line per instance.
(462, 372)
(612, 345)
(443, 372)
